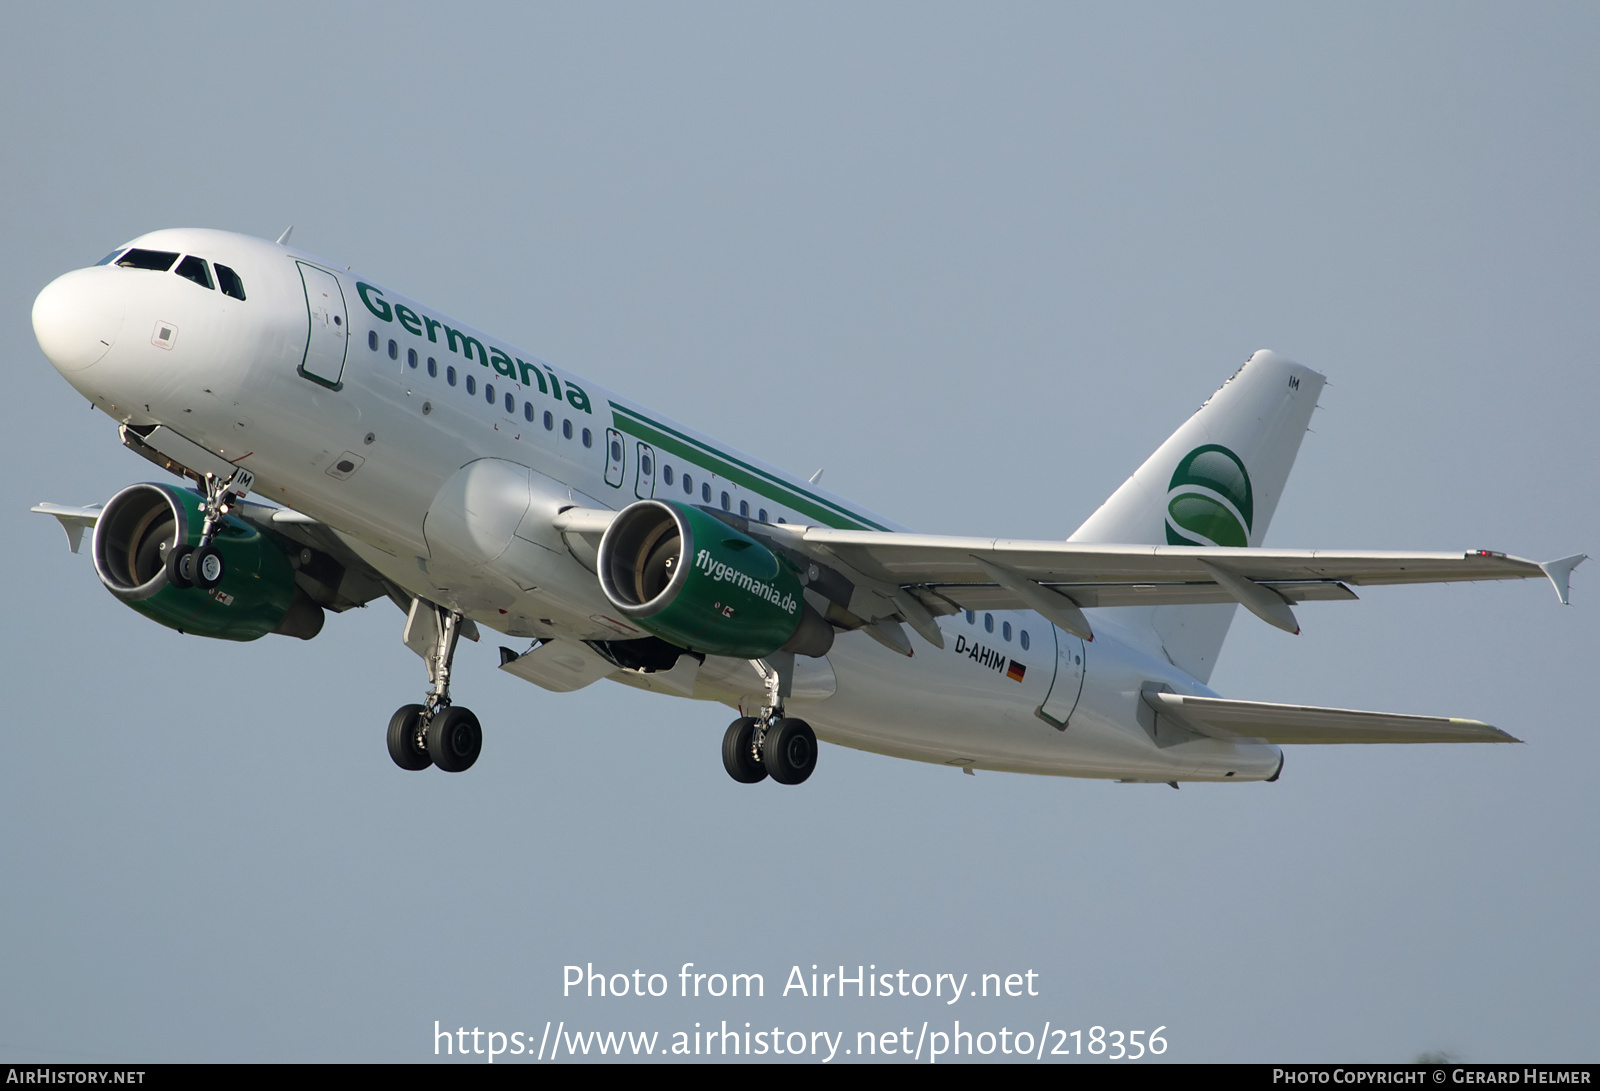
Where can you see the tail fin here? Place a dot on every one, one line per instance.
(1216, 481)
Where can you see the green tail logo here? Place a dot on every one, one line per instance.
(1209, 502)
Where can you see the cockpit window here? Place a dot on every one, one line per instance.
(230, 282)
(194, 268)
(158, 260)
(109, 258)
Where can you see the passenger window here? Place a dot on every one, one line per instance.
(705, 493)
(372, 340)
(450, 375)
(645, 464)
(229, 282)
(488, 393)
(971, 617)
(511, 403)
(549, 421)
(433, 368)
(666, 474)
(1005, 630)
(688, 484)
(988, 623)
(1024, 640)
(566, 429)
(527, 412)
(762, 515)
(394, 350)
(158, 261)
(472, 384)
(588, 438)
(744, 509)
(411, 358)
(726, 504)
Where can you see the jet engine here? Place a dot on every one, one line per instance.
(257, 593)
(687, 577)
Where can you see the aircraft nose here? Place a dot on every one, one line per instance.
(78, 316)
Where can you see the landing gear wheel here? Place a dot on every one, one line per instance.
(739, 753)
(180, 566)
(205, 567)
(454, 740)
(789, 751)
(407, 750)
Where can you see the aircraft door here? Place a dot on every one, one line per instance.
(616, 452)
(1067, 685)
(644, 483)
(328, 336)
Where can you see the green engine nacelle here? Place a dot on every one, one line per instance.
(257, 594)
(689, 578)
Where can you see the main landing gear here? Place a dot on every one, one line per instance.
(201, 565)
(437, 732)
(772, 744)
(783, 748)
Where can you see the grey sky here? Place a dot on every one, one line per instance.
(978, 263)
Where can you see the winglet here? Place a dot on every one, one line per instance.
(1560, 572)
(73, 520)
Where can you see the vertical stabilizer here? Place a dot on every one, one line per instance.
(1215, 482)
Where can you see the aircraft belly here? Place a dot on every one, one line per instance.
(929, 709)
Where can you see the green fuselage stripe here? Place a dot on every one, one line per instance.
(742, 473)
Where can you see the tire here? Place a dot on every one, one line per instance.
(455, 740)
(737, 756)
(403, 746)
(206, 567)
(179, 566)
(790, 751)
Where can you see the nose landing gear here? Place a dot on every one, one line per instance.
(201, 565)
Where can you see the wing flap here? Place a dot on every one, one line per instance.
(1296, 724)
(992, 597)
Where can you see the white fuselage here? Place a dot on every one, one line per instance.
(357, 406)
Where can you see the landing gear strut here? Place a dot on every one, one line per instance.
(436, 732)
(201, 565)
(771, 744)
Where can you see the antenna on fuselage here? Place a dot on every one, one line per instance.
(814, 478)
(283, 238)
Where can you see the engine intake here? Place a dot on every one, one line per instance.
(689, 578)
(257, 594)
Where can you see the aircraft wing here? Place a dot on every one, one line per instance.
(914, 577)
(1238, 721)
(998, 573)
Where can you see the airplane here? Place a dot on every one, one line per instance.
(344, 444)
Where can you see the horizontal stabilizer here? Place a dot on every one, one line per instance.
(1293, 724)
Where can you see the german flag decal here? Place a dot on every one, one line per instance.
(1016, 671)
